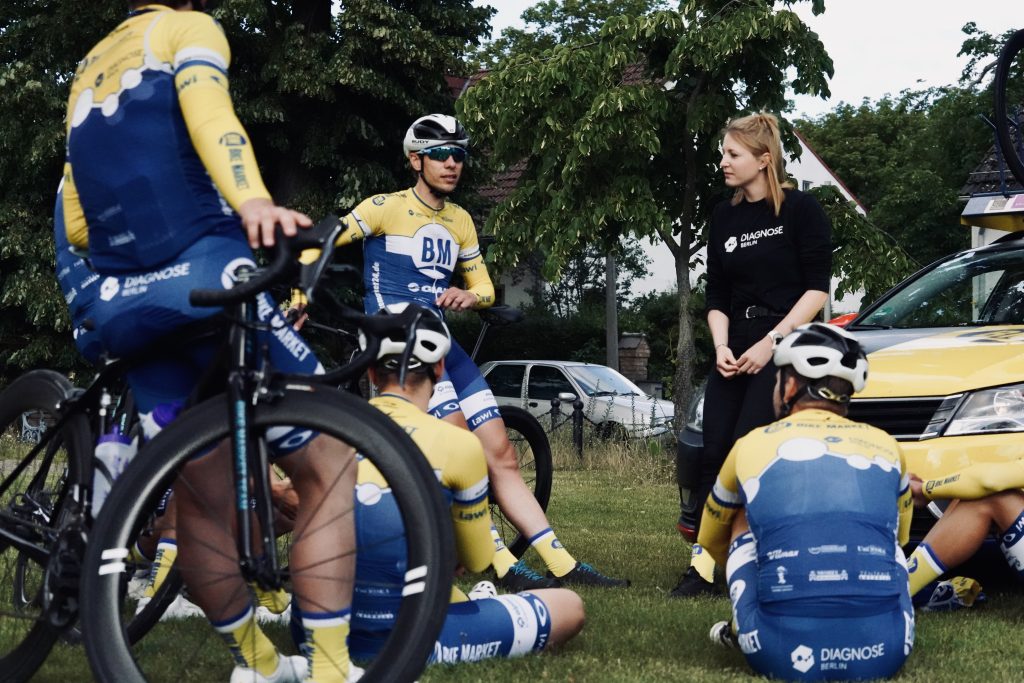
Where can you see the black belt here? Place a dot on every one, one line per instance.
(756, 312)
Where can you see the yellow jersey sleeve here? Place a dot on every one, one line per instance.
(720, 510)
(465, 475)
(199, 52)
(364, 220)
(74, 217)
(471, 264)
(977, 481)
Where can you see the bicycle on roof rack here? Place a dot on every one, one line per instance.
(1008, 86)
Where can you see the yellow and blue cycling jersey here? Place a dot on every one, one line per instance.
(458, 460)
(828, 501)
(412, 249)
(506, 626)
(819, 583)
(156, 157)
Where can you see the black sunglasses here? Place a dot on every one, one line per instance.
(442, 153)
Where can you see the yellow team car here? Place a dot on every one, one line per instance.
(946, 360)
(946, 365)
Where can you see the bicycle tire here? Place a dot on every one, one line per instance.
(533, 452)
(1010, 150)
(428, 530)
(35, 507)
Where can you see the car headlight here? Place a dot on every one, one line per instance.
(695, 413)
(991, 410)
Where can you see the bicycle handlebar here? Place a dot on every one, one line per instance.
(320, 236)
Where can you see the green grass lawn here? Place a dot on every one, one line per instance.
(620, 517)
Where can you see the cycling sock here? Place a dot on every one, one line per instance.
(248, 644)
(166, 552)
(558, 560)
(703, 563)
(458, 595)
(923, 567)
(326, 645)
(138, 555)
(503, 557)
(276, 601)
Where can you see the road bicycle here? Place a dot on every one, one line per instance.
(44, 507)
(1008, 86)
(46, 480)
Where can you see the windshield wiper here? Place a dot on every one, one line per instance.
(604, 393)
(871, 326)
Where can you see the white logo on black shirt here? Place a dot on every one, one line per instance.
(730, 244)
(749, 239)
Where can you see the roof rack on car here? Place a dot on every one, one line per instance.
(1009, 237)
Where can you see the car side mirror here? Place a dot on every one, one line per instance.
(566, 397)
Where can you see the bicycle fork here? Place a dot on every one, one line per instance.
(251, 463)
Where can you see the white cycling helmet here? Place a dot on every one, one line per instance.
(819, 350)
(431, 339)
(434, 130)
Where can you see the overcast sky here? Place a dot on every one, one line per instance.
(878, 47)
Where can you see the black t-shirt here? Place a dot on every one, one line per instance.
(756, 258)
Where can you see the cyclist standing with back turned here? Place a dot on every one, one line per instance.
(161, 184)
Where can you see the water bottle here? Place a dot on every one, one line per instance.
(113, 453)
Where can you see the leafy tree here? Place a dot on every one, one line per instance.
(582, 279)
(553, 22)
(896, 156)
(326, 95)
(620, 130)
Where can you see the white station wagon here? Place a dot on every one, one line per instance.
(610, 401)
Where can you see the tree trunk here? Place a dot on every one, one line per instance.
(682, 389)
(611, 312)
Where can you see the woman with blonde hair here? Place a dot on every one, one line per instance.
(769, 269)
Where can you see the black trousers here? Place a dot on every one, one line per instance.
(734, 406)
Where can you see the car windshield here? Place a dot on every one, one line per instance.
(977, 287)
(599, 380)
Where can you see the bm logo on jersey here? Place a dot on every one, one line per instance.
(431, 248)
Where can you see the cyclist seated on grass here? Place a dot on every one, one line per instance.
(816, 507)
(986, 496)
(161, 183)
(500, 626)
(415, 241)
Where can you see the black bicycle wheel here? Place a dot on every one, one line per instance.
(533, 451)
(1009, 103)
(108, 607)
(40, 541)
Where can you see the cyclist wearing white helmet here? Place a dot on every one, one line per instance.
(414, 242)
(491, 626)
(808, 515)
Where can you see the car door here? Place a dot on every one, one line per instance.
(545, 382)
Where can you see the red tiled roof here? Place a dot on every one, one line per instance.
(503, 183)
